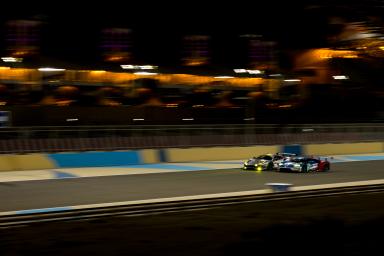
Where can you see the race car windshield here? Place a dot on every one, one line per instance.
(265, 157)
(298, 160)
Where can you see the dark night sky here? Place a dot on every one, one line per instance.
(71, 29)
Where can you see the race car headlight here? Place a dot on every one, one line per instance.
(259, 168)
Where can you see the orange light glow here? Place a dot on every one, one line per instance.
(329, 53)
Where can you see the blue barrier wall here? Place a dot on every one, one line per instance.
(163, 156)
(296, 149)
(94, 159)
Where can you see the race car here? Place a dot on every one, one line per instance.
(266, 162)
(260, 163)
(280, 157)
(304, 164)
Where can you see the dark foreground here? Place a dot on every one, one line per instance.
(339, 225)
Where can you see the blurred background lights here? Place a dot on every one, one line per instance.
(143, 67)
(144, 73)
(51, 69)
(340, 77)
(240, 70)
(11, 59)
(292, 80)
(223, 77)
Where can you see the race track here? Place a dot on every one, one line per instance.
(23, 195)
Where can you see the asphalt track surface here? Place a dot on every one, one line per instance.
(334, 225)
(67, 192)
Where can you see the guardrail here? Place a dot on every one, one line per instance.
(105, 130)
(85, 138)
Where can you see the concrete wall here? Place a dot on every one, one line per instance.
(77, 160)
(149, 156)
(216, 153)
(94, 159)
(146, 156)
(25, 162)
(6, 163)
(344, 148)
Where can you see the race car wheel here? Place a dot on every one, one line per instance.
(304, 168)
(326, 167)
(270, 167)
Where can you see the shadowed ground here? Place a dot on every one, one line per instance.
(339, 225)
